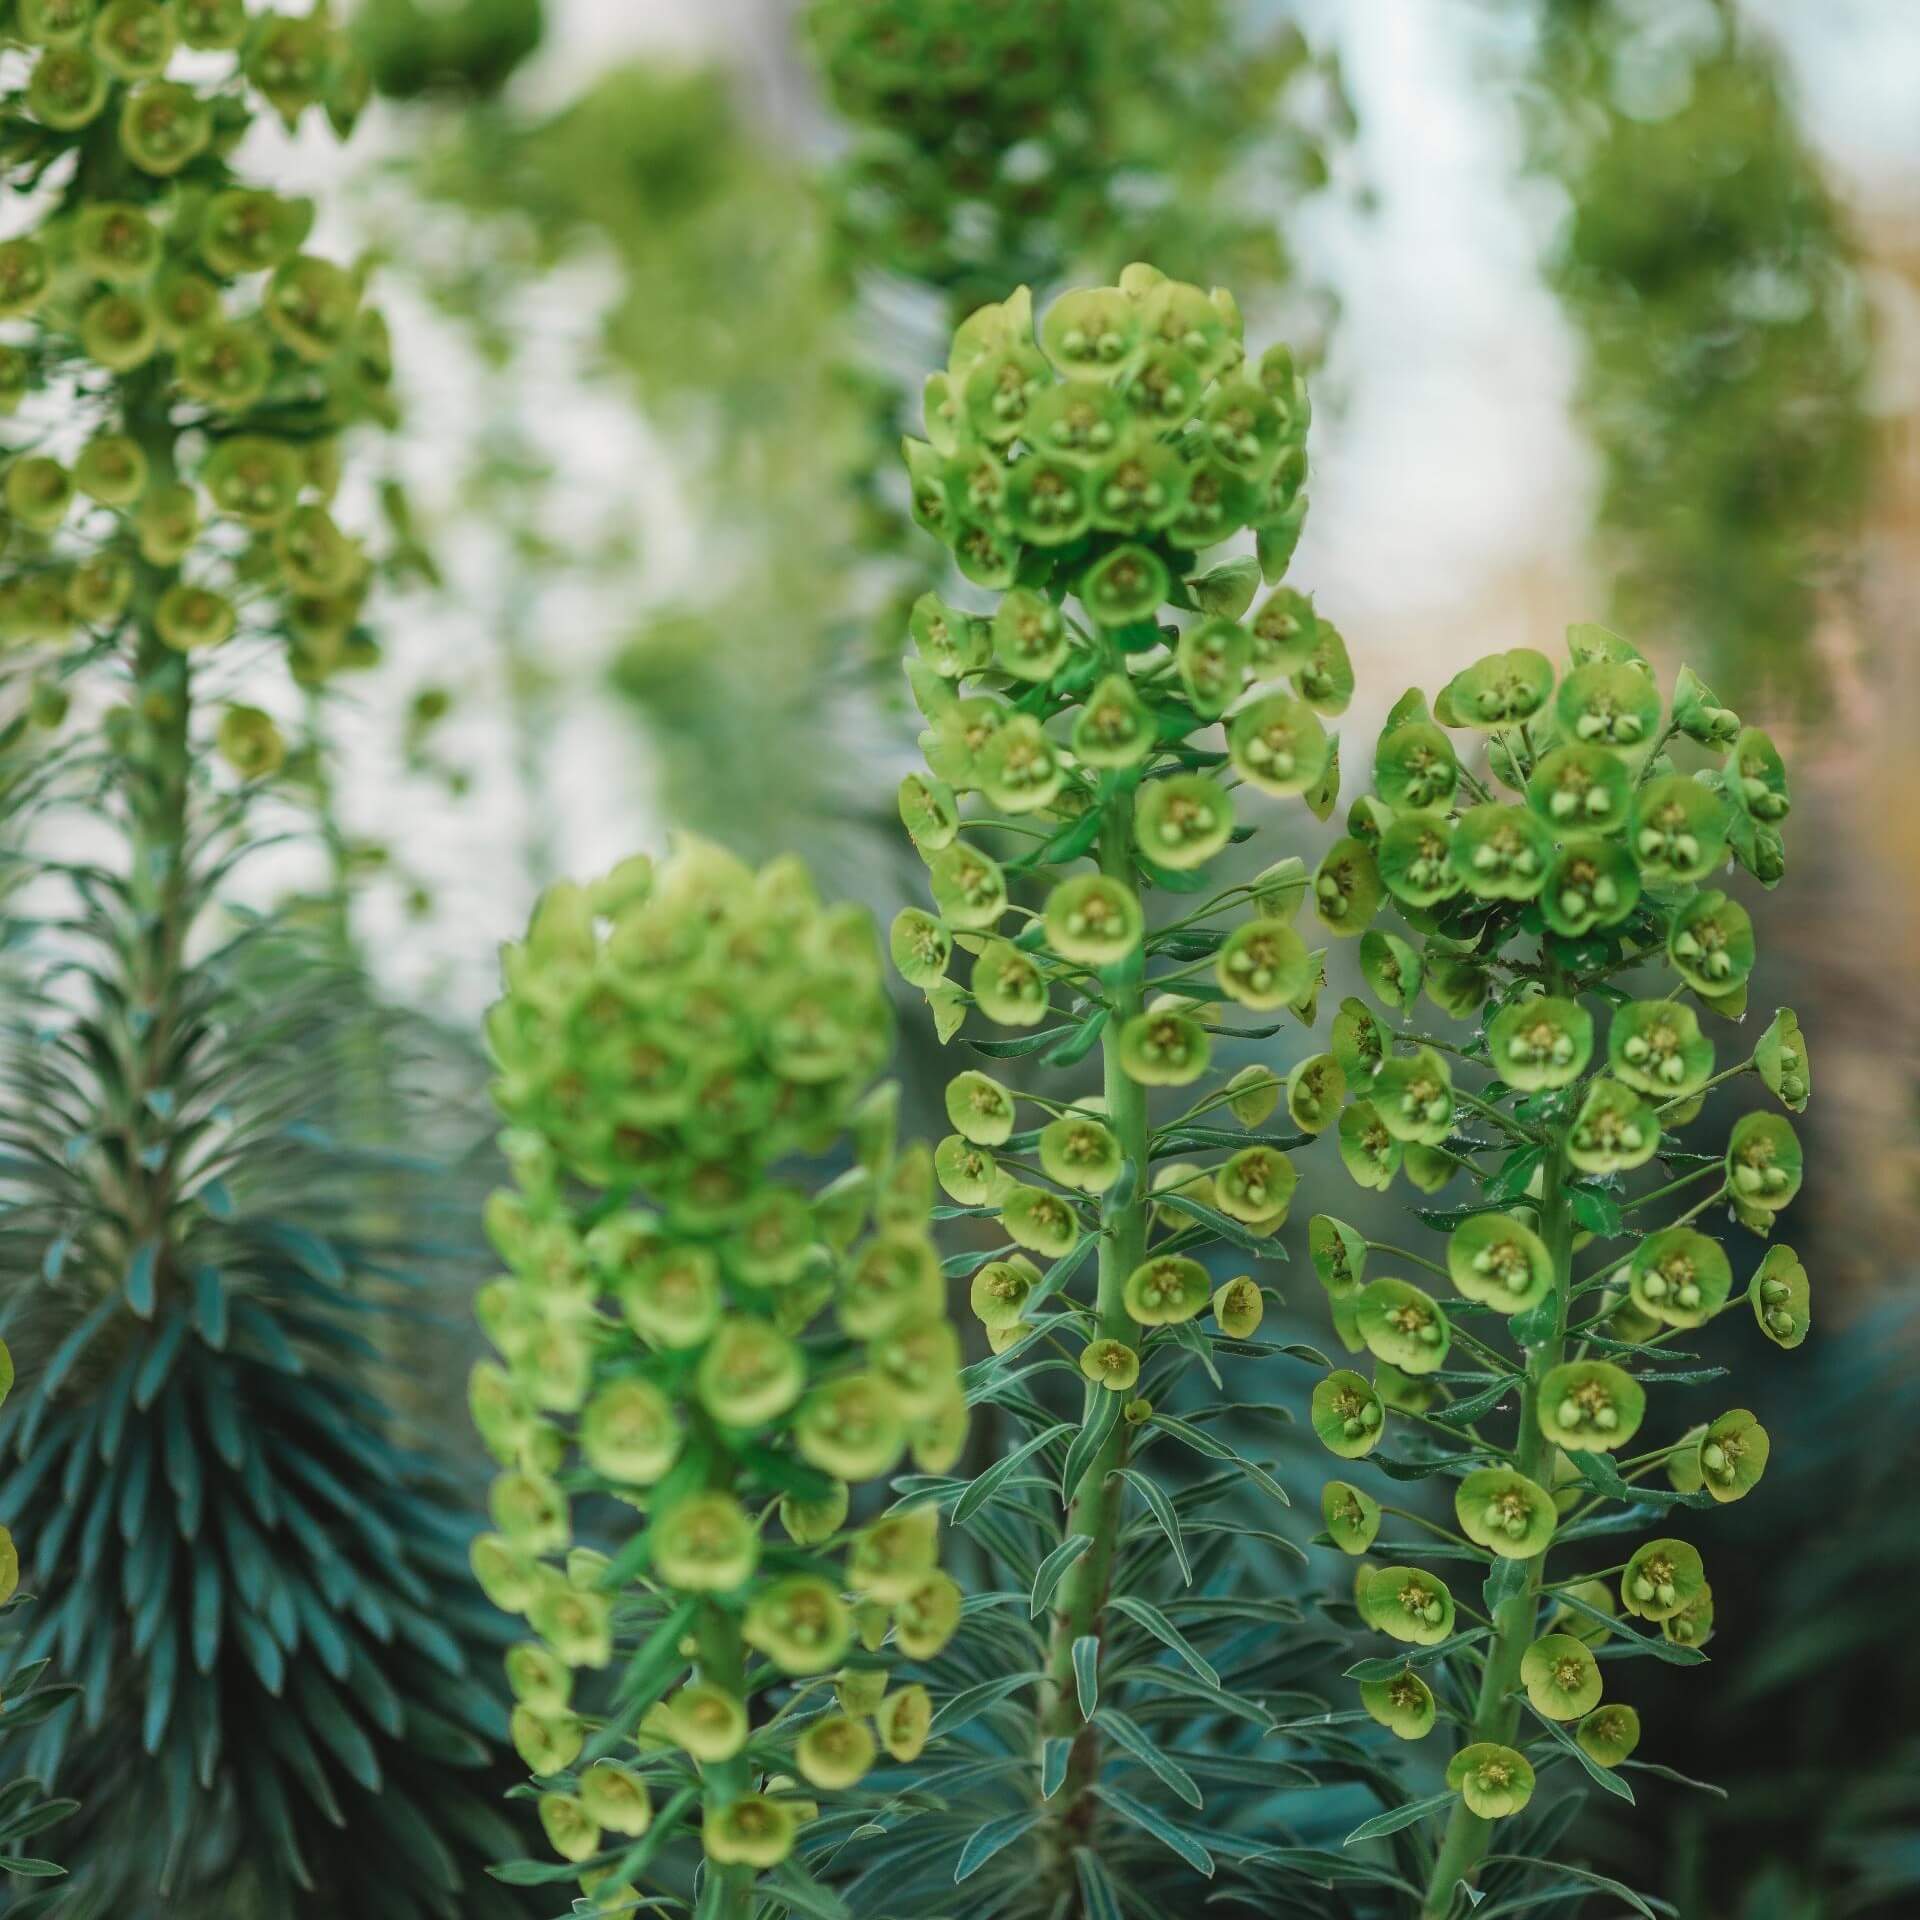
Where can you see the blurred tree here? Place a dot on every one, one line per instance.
(1723, 332)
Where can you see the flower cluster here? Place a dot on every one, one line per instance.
(693, 1330)
(177, 361)
(1555, 863)
(1093, 739)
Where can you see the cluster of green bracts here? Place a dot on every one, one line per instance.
(177, 363)
(699, 1330)
(1092, 739)
(1552, 856)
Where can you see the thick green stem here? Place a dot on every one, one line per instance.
(728, 1891)
(1496, 1715)
(1095, 1509)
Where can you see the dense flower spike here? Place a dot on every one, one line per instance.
(1079, 464)
(1567, 858)
(697, 1326)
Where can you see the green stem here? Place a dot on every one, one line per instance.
(1497, 1712)
(1095, 1508)
(728, 1893)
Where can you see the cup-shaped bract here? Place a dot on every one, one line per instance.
(677, 1048)
(1662, 1577)
(1506, 1512)
(1402, 1325)
(1352, 1516)
(1590, 1406)
(1561, 1676)
(1657, 1048)
(1540, 1041)
(1500, 1261)
(1403, 1704)
(1408, 1603)
(1680, 1277)
(1782, 1297)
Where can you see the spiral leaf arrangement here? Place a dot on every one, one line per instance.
(1560, 892)
(1076, 765)
(707, 1325)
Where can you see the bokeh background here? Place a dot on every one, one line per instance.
(1613, 308)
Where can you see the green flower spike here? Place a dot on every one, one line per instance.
(1505, 1512)
(1679, 1277)
(1581, 789)
(1540, 1043)
(1561, 1676)
(1315, 1090)
(1711, 945)
(1368, 1149)
(1125, 586)
(1497, 1260)
(1493, 1780)
(1782, 1297)
(1661, 1578)
(1391, 969)
(1732, 1455)
(1656, 1046)
(1182, 821)
(1592, 883)
(1591, 1406)
(1408, 1603)
(1346, 888)
(1111, 1364)
(1414, 1098)
(1402, 1325)
(1404, 1704)
(1679, 830)
(1415, 860)
(1414, 768)
(1167, 1290)
(1764, 1162)
(1501, 852)
(1347, 1414)
(1609, 703)
(1780, 1057)
(1255, 1186)
(1277, 744)
(920, 946)
(980, 1109)
(1609, 1734)
(968, 888)
(1265, 965)
(1501, 690)
(1093, 920)
(1614, 1131)
(1166, 1048)
(1338, 1252)
(1238, 1307)
(1352, 1516)
(1757, 777)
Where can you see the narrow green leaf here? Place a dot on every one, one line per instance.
(1142, 1816)
(1144, 1613)
(1054, 1755)
(1162, 1510)
(1053, 1567)
(1397, 1817)
(1169, 1772)
(1086, 1673)
(988, 1485)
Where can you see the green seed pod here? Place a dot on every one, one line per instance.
(1415, 860)
(1592, 883)
(1182, 821)
(1255, 1186)
(705, 1543)
(1391, 968)
(1678, 831)
(1164, 1048)
(1404, 1705)
(1265, 965)
(1780, 1058)
(1352, 1516)
(1501, 852)
(851, 1428)
(903, 1720)
(1591, 1406)
(1369, 1150)
(1561, 1676)
(163, 126)
(1041, 1221)
(1315, 1089)
(1408, 1604)
(1732, 1455)
(1238, 1307)
(1080, 1153)
(1277, 744)
(1764, 1162)
(1414, 768)
(968, 888)
(1166, 1290)
(1614, 1131)
(1661, 1578)
(1501, 690)
(1346, 888)
(1505, 1512)
(1495, 1259)
(1679, 1277)
(1402, 1325)
(1756, 777)
(1656, 1047)
(1124, 586)
(1339, 1254)
(67, 88)
(920, 947)
(1609, 1734)
(1581, 789)
(1347, 1414)
(1253, 1093)
(1493, 1780)
(1609, 703)
(1111, 1364)
(1414, 1097)
(311, 304)
(1782, 1297)
(751, 1831)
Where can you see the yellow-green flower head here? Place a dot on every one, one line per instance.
(1010, 987)
(1780, 1058)
(1165, 1047)
(1561, 1676)
(809, 1522)
(1500, 1261)
(571, 1831)
(1403, 1704)
(1347, 889)
(1115, 728)
(705, 1543)
(834, 1753)
(1111, 1364)
(1756, 777)
(1352, 1516)
(1493, 1780)
(1540, 1043)
(1679, 1277)
(799, 1623)
(1592, 883)
(548, 1743)
(1657, 1047)
(1316, 1087)
(1277, 744)
(507, 1571)
(1504, 1511)
(1211, 659)
(1661, 1578)
(1596, 1594)
(1414, 1097)
(892, 1555)
(1710, 943)
(999, 1291)
(928, 812)
(1093, 920)
(1693, 1623)
(1239, 1307)
(1402, 1325)
(1338, 1252)
(163, 126)
(1591, 1406)
(530, 1510)
(577, 1626)
(1368, 1149)
(615, 1799)
(1678, 830)
(1415, 860)
(1166, 1290)
(1408, 1603)
(673, 1298)
(1040, 1221)
(903, 1720)
(99, 589)
(968, 887)
(67, 88)
(1415, 769)
(1347, 1414)
(1501, 690)
(1732, 1455)
(1501, 852)
(920, 947)
(25, 275)
(852, 1427)
(1182, 821)
(539, 1678)
(1609, 703)
(707, 1720)
(1609, 1734)
(1255, 1186)
(1264, 964)
(893, 1281)
(1581, 790)
(1764, 1162)
(1614, 1131)
(980, 1109)
(749, 1373)
(1080, 1152)
(1782, 1297)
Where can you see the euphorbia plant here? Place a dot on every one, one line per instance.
(724, 1331)
(1554, 844)
(1095, 738)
